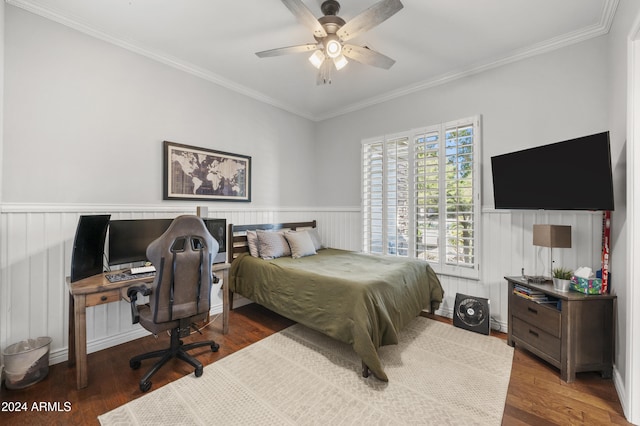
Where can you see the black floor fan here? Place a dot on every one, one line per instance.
(472, 313)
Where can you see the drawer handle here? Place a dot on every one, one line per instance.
(535, 311)
(103, 298)
(534, 333)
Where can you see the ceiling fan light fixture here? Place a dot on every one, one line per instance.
(331, 32)
(317, 58)
(333, 48)
(340, 62)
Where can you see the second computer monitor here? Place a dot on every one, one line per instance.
(129, 239)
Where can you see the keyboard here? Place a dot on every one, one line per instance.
(121, 276)
(143, 270)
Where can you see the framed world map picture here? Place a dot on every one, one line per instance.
(192, 173)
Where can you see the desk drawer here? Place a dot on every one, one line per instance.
(537, 338)
(543, 317)
(94, 299)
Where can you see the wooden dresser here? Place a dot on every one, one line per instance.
(574, 334)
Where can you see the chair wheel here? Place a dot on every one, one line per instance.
(199, 371)
(215, 347)
(145, 386)
(135, 364)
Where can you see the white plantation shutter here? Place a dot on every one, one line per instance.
(397, 196)
(421, 195)
(459, 195)
(427, 193)
(372, 189)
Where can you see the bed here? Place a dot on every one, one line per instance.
(359, 299)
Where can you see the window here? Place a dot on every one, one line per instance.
(421, 195)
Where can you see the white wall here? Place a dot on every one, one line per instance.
(85, 125)
(3, 286)
(86, 120)
(627, 17)
(571, 92)
(540, 100)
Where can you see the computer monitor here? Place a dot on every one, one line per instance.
(88, 246)
(218, 230)
(128, 239)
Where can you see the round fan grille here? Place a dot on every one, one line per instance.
(471, 312)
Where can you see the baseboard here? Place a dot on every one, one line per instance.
(61, 355)
(240, 301)
(618, 383)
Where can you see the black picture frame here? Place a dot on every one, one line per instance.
(202, 174)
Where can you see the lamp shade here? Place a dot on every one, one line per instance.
(552, 236)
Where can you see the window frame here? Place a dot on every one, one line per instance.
(441, 266)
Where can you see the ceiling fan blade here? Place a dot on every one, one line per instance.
(370, 18)
(367, 56)
(288, 50)
(305, 17)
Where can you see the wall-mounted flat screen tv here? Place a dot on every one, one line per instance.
(570, 175)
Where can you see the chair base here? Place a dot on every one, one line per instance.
(176, 350)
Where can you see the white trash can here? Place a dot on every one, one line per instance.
(26, 362)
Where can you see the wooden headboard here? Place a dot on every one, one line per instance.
(237, 235)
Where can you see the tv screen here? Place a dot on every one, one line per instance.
(570, 175)
(88, 246)
(128, 239)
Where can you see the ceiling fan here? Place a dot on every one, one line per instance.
(331, 32)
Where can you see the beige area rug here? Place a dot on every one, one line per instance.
(438, 374)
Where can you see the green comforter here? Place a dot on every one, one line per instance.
(358, 299)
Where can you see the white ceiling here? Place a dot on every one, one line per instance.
(432, 41)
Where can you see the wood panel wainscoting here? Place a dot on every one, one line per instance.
(39, 239)
(536, 395)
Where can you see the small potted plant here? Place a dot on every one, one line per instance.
(562, 279)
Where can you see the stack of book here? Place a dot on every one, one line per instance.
(531, 294)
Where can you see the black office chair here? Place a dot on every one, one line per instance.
(180, 292)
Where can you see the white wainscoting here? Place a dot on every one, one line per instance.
(507, 249)
(36, 242)
(35, 259)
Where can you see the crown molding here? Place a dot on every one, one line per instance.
(601, 28)
(77, 24)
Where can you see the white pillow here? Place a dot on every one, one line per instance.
(272, 245)
(252, 241)
(315, 237)
(301, 244)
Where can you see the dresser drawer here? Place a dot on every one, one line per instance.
(94, 299)
(543, 317)
(539, 339)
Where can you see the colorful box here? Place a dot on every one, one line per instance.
(587, 285)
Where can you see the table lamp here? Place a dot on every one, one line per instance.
(552, 236)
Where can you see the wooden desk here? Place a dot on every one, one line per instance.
(97, 290)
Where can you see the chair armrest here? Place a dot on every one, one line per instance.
(132, 293)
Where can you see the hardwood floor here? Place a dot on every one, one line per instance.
(536, 394)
